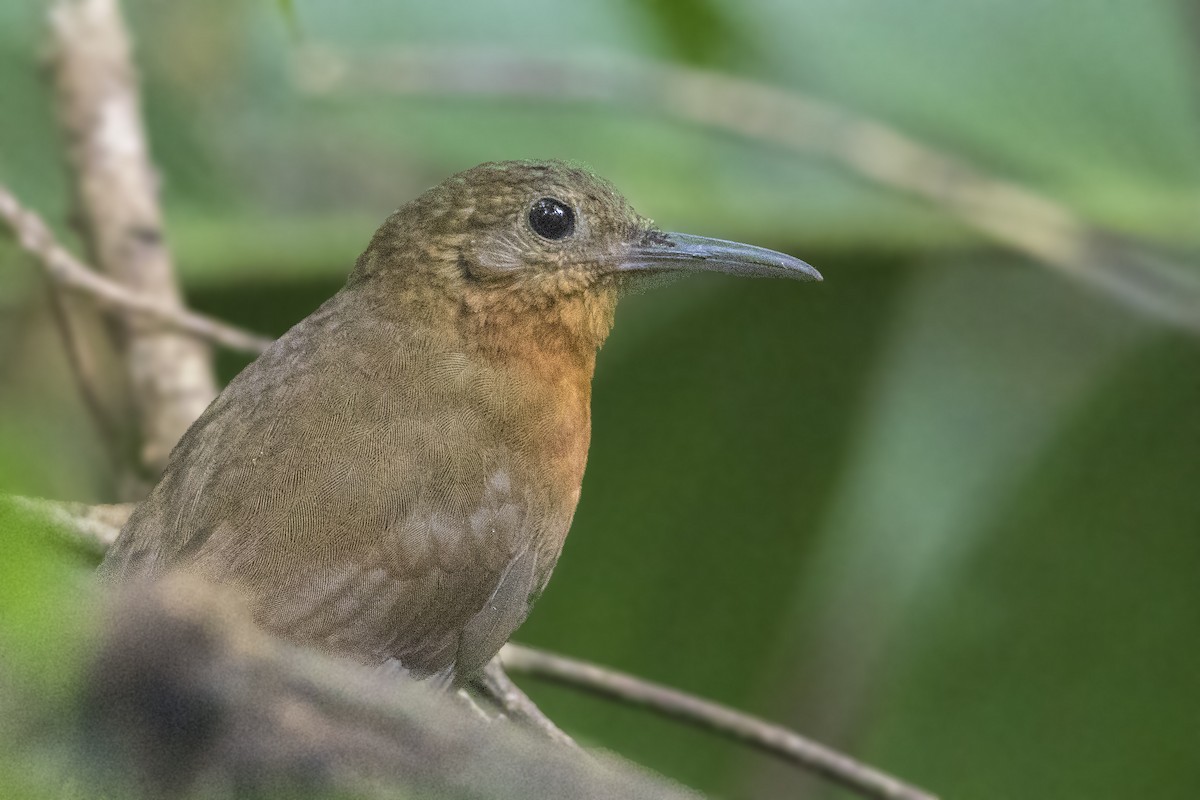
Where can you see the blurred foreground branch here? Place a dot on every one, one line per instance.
(187, 697)
(94, 528)
(170, 375)
(65, 270)
(1007, 213)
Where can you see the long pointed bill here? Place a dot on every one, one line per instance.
(682, 252)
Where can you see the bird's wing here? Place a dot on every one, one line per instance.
(360, 511)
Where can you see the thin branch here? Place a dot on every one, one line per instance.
(62, 267)
(170, 375)
(736, 725)
(81, 358)
(92, 529)
(1002, 211)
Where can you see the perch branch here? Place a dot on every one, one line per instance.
(64, 269)
(99, 106)
(773, 739)
(1007, 213)
(495, 684)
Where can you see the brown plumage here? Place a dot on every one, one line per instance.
(394, 478)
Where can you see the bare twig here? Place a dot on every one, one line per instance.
(1007, 213)
(81, 357)
(35, 237)
(93, 529)
(770, 738)
(116, 187)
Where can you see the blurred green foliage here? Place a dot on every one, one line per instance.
(44, 630)
(940, 510)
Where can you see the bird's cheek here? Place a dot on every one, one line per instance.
(491, 257)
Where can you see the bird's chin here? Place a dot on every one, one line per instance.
(636, 282)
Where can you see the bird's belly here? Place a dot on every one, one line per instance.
(429, 555)
(401, 525)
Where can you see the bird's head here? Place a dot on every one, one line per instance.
(517, 241)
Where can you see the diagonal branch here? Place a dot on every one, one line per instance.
(744, 728)
(62, 267)
(92, 529)
(1007, 213)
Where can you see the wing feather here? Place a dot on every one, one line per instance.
(351, 509)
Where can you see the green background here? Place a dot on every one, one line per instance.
(941, 511)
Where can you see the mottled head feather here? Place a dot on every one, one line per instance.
(469, 241)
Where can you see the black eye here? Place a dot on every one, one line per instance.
(551, 218)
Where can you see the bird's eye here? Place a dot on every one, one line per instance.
(551, 218)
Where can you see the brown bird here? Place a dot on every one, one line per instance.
(394, 478)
